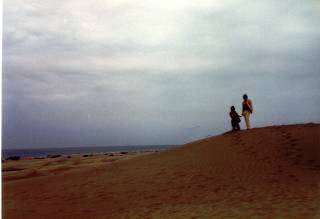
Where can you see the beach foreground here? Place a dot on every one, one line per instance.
(271, 172)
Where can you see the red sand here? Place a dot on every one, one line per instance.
(271, 172)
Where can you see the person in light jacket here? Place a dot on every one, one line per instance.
(247, 109)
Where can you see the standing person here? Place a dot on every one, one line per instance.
(235, 119)
(247, 109)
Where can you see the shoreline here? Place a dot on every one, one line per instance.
(28, 167)
(11, 154)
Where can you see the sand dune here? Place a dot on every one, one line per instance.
(271, 172)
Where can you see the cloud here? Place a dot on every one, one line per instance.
(142, 71)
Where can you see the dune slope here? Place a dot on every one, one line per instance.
(271, 172)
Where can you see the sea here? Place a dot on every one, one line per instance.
(43, 152)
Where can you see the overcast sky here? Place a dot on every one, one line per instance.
(136, 72)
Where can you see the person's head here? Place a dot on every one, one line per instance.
(232, 108)
(245, 96)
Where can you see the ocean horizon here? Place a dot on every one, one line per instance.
(42, 152)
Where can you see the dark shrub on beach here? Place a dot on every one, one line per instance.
(123, 152)
(111, 155)
(53, 155)
(13, 158)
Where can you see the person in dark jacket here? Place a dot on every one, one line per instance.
(235, 119)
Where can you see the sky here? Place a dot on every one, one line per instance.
(141, 72)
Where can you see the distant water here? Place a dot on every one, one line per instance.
(42, 152)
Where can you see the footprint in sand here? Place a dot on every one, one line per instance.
(274, 181)
(291, 149)
(175, 196)
(290, 154)
(253, 153)
(201, 186)
(294, 140)
(316, 167)
(313, 185)
(296, 162)
(210, 178)
(151, 197)
(311, 161)
(265, 158)
(280, 171)
(180, 174)
(240, 188)
(287, 136)
(237, 140)
(292, 176)
(249, 151)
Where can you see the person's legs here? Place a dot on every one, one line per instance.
(246, 118)
(233, 125)
(237, 126)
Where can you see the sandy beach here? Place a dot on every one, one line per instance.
(271, 172)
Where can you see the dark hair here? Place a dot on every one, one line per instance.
(245, 96)
(232, 108)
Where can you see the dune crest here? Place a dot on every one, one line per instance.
(271, 172)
